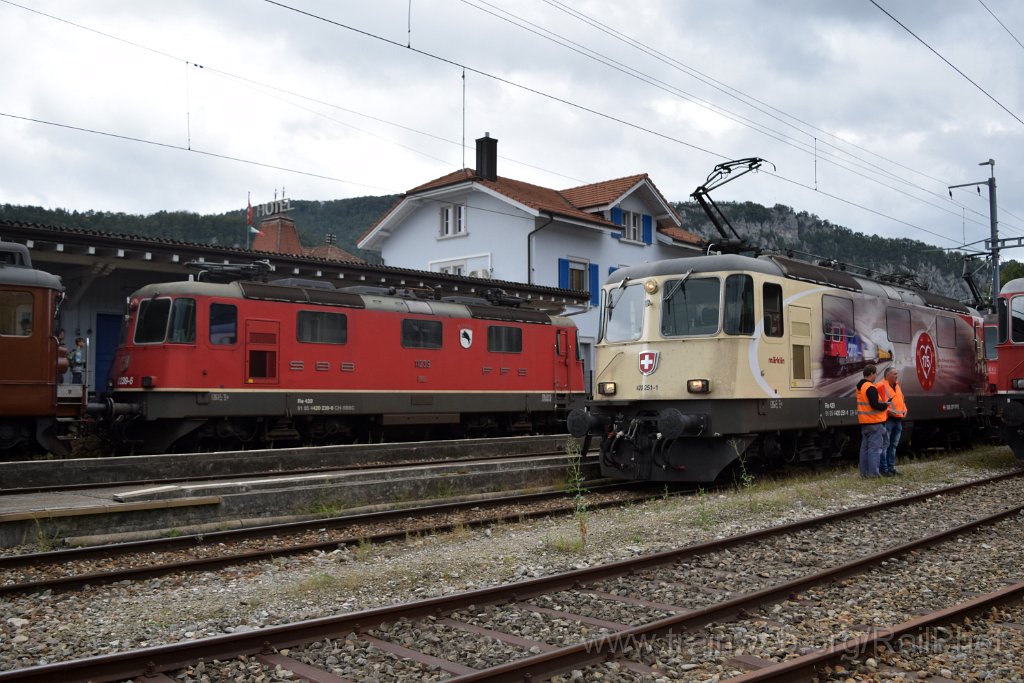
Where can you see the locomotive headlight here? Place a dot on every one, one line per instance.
(606, 388)
(698, 386)
(651, 286)
(1017, 383)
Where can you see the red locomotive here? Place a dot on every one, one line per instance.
(36, 411)
(1006, 372)
(206, 365)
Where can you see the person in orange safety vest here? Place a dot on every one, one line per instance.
(889, 390)
(871, 414)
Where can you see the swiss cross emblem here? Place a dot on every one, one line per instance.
(648, 362)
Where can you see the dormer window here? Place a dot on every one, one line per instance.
(453, 220)
(631, 226)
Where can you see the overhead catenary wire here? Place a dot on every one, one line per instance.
(499, 78)
(948, 63)
(810, 147)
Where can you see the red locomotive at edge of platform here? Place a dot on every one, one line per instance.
(239, 364)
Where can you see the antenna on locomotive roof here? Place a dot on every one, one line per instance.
(723, 173)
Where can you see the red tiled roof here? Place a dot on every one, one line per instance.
(681, 235)
(602, 193)
(331, 252)
(533, 196)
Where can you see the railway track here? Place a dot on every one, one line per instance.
(97, 565)
(218, 491)
(782, 593)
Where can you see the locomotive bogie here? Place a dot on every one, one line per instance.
(698, 357)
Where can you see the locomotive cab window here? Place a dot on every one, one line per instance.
(945, 332)
(991, 337)
(151, 323)
(1017, 319)
(739, 304)
(771, 294)
(16, 314)
(223, 324)
(421, 334)
(317, 327)
(690, 307)
(182, 329)
(623, 318)
(502, 339)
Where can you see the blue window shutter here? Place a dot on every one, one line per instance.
(595, 286)
(617, 216)
(648, 226)
(612, 269)
(563, 273)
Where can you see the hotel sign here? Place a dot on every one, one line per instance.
(273, 208)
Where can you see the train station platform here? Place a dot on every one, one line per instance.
(137, 509)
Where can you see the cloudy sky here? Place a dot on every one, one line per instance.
(190, 105)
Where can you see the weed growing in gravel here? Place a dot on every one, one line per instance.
(320, 582)
(574, 486)
(565, 545)
(44, 541)
(442, 489)
(704, 517)
(364, 549)
(459, 532)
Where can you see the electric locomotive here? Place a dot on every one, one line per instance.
(36, 411)
(717, 360)
(225, 365)
(1006, 369)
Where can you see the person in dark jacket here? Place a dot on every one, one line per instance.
(871, 414)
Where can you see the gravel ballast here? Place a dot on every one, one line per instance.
(44, 628)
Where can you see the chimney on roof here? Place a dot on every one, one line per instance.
(487, 158)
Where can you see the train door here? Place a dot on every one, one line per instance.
(800, 347)
(261, 343)
(563, 357)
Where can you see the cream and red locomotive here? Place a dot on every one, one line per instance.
(708, 362)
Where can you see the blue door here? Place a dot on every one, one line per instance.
(108, 333)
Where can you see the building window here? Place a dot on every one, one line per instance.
(453, 220)
(452, 268)
(631, 225)
(578, 276)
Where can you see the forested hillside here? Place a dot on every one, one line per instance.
(778, 227)
(347, 219)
